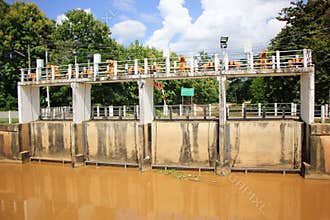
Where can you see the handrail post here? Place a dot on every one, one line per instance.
(53, 72)
(69, 71)
(168, 64)
(136, 67)
(216, 63)
(145, 66)
(22, 75)
(278, 60)
(77, 70)
(115, 68)
(322, 114)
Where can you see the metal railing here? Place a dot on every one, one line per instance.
(191, 112)
(56, 113)
(197, 65)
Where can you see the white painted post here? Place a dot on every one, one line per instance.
(98, 111)
(137, 110)
(216, 63)
(124, 111)
(105, 112)
(322, 114)
(278, 60)
(275, 109)
(305, 57)
(76, 67)
(273, 62)
(192, 65)
(165, 110)
(210, 110)
(307, 96)
(295, 109)
(110, 111)
(40, 64)
(195, 110)
(145, 66)
(251, 61)
(96, 60)
(226, 61)
(53, 72)
(22, 75)
(326, 108)
(69, 71)
(146, 101)
(180, 110)
(227, 110)
(259, 109)
(126, 68)
(81, 102)
(243, 106)
(9, 117)
(292, 108)
(115, 68)
(168, 65)
(136, 71)
(174, 66)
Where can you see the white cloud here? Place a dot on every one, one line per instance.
(176, 20)
(124, 5)
(60, 19)
(128, 30)
(241, 20)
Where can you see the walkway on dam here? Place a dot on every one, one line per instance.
(277, 63)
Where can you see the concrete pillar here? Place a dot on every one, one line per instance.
(224, 152)
(165, 110)
(81, 102)
(98, 111)
(326, 106)
(146, 100)
(124, 111)
(96, 60)
(307, 96)
(180, 110)
(210, 110)
(28, 103)
(243, 106)
(259, 109)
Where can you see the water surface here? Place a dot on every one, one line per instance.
(56, 191)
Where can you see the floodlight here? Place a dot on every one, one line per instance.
(223, 42)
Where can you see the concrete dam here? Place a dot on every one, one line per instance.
(219, 143)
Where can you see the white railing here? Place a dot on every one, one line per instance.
(193, 111)
(198, 65)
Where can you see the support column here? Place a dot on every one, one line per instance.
(146, 101)
(223, 165)
(81, 102)
(307, 93)
(28, 103)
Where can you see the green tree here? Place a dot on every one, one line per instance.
(307, 26)
(22, 25)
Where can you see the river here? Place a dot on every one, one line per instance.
(55, 191)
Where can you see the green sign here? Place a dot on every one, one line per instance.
(187, 91)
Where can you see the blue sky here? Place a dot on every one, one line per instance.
(182, 25)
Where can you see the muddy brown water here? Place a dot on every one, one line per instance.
(56, 191)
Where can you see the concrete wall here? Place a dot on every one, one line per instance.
(264, 144)
(318, 152)
(51, 140)
(187, 143)
(113, 141)
(9, 141)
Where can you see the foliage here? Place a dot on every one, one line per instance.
(21, 25)
(308, 26)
